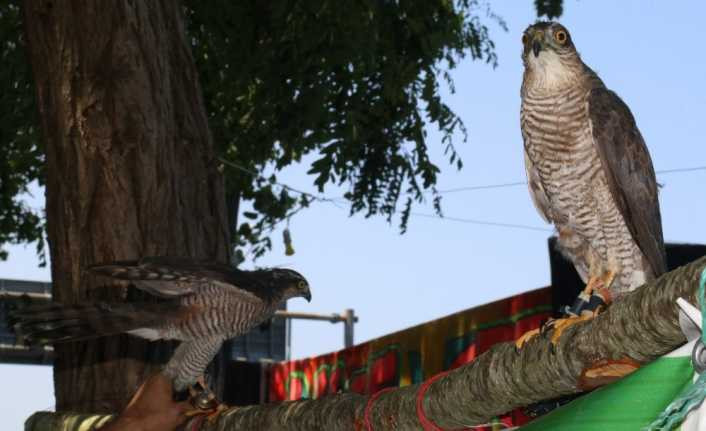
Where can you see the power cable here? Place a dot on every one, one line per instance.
(484, 222)
(522, 183)
(336, 201)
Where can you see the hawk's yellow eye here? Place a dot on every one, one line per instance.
(301, 285)
(524, 39)
(560, 36)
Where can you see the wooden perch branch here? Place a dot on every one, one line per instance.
(635, 330)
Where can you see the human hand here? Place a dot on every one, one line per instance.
(151, 409)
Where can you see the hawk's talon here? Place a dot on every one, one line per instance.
(524, 338)
(547, 326)
(210, 413)
(560, 325)
(204, 400)
(591, 301)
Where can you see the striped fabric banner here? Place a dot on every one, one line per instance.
(412, 355)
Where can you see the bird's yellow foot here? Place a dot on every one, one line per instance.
(200, 395)
(204, 401)
(591, 301)
(558, 326)
(210, 413)
(524, 338)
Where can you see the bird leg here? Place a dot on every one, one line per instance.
(183, 368)
(204, 401)
(592, 300)
(595, 296)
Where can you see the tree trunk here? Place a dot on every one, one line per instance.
(130, 168)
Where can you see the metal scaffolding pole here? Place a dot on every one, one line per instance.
(348, 327)
(348, 318)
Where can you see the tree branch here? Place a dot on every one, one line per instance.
(635, 330)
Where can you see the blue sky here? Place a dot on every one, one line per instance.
(649, 52)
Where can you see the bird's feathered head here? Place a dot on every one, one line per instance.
(293, 283)
(549, 53)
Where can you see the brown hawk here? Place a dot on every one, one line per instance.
(201, 304)
(589, 171)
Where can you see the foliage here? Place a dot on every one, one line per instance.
(549, 8)
(21, 156)
(352, 87)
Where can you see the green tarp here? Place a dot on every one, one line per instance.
(631, 403)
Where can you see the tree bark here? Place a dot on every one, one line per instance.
(130, 168)
(636, 329)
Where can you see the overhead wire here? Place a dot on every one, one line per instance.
(522, 183)
(483, 187)
(336, 201)
(678, 170)
(483, 222)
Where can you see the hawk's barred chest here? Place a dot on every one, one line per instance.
(222, 314)
(559, 142)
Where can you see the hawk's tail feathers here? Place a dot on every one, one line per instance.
(55, 323)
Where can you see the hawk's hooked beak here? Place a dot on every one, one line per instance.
(537, 39)
(307, 296)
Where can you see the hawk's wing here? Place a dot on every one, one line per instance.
(629, 171)
(539, 196)
(172, 277)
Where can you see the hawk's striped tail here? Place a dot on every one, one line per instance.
(55, 323)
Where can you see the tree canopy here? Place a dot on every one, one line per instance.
(21, 152)
(354, 87)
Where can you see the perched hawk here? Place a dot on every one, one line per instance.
(201, 304)
(588, 170)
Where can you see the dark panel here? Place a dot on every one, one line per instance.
(11, 297)
(242, 383)
(24, 286)
(566, 283)
(681, 254)
(266, 342)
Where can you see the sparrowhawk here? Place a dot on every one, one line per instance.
(201, 304)
(588, 169)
